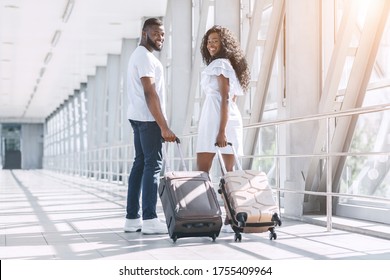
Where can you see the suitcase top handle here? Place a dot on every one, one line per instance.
(165, 159)
(237, 162)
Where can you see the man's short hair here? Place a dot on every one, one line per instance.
(151, 22)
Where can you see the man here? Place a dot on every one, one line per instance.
(146, 113)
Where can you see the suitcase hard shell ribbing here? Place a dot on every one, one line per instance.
(189, 202)
(248, 200)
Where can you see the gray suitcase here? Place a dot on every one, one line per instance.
(189, 202)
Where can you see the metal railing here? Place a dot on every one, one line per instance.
(112, 163)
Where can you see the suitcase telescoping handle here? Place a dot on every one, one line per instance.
(237, 162)
(167, 167)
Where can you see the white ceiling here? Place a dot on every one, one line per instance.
(37, 75)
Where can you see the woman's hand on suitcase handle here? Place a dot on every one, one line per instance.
(221, 140)
(227, 144)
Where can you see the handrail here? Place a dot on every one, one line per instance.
(327, 154)
(104, 163)
(345, 113)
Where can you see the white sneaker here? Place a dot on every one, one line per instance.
(227, 229)
(154, 226)
(133, 225)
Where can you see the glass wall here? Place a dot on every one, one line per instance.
(82, 138)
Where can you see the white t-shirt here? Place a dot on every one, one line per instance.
(143, 63)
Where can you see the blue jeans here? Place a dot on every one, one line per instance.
(145, 173)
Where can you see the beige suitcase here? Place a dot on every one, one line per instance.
(248, 200)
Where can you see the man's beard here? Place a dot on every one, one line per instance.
(152, 44)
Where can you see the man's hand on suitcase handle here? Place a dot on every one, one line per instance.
(168, 134)
(177, 140)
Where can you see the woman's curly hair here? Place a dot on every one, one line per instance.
(230, 49)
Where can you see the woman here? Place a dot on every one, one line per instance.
(225, 77)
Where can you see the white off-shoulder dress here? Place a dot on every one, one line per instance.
(209, 120)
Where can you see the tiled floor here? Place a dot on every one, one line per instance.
(45, 215)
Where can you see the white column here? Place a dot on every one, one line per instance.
(227, 14)
(179, 70)
(303, 87)
(113, 98)
(99, 98)
(128, 46)
(91, 116)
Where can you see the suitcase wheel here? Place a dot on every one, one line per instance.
(221, 185)
(237, 237)
(272, 235)
(241, 219)
(275, 218)
(214, 237)
(174, 238)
